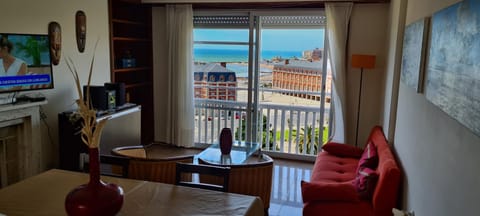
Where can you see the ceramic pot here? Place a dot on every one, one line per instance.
(96, 197)
(226, 141)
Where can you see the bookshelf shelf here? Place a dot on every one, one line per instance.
(128, 22)
(128, 70)
(131, 37)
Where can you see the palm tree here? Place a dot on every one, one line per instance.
(265, 129)
(33, 48)
(305, 139)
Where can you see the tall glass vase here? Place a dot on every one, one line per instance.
(96, 197)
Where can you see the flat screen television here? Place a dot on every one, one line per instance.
(31, 68)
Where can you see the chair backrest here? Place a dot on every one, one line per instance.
(115, 162)
(111, 166)
(223, 172)
(158, 170)
(253, 178)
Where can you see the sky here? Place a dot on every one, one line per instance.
(272, 39)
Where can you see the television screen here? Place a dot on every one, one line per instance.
(25, 62)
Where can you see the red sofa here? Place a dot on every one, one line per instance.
(330, 169)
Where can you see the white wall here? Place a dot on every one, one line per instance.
(367, 36)
(394, 44)
(439, 156)
(27, 16)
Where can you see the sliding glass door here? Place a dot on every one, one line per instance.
(264, 75)
(223, 76)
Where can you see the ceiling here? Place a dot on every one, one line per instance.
(257, 4)
(257, 1)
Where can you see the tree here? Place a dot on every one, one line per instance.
(305, 139)
(33, 48)
(265, 129)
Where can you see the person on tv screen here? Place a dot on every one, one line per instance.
(10, 65)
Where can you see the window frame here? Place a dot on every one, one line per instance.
(254, 45)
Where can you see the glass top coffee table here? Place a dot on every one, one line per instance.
(241, 151)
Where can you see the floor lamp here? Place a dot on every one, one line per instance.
(362, 62)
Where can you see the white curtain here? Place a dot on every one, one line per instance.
(338, 19)
(180, 111)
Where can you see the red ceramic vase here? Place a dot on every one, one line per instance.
(96, 197)
(226, 141)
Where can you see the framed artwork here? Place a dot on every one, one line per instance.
(453, 71)
(414, 51)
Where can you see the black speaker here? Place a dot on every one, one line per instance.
(98, 97)
(119, 89)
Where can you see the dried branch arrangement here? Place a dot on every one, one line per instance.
(91, 129)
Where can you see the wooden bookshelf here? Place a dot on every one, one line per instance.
(131, 32)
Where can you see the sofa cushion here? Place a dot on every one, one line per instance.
(365, 182)
(342, 150)
(330, 168)
(320, 191)
(369, 157)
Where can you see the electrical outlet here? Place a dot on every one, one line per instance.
(397, 212)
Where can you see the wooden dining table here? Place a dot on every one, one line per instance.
(44, 194)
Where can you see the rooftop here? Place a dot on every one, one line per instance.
(210, 67)
(316, 65)
(213, 72)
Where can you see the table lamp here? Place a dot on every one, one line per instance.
(363, 62)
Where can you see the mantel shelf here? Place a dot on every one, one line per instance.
(7, 107)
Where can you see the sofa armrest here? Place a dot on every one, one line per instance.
(321, 191)
(342, 150)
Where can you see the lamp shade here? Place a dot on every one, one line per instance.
(363, 61)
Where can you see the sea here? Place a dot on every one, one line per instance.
(231, 55)
(235, 57)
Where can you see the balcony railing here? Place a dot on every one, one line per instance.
(281, 128)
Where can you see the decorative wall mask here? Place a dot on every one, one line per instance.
(55, 35)
(81, 29)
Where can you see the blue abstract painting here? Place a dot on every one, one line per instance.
(413, 57)
(453, 71)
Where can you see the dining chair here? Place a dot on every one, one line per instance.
(110, 165)
(153, 162)
(119, 165)
(202, 169)
(254, 178)
(157, 170)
